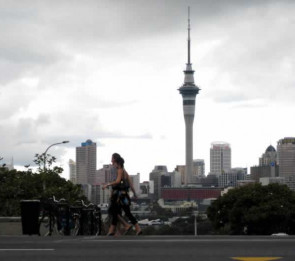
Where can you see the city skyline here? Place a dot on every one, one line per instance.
(109, 72)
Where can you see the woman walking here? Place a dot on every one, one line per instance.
(120, 199)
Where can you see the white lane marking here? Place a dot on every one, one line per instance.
(180, 240)
(26, 249)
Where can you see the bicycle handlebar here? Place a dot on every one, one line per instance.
(58, 201)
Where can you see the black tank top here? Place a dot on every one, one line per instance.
(124, 184)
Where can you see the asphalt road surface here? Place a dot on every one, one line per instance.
(152, 248)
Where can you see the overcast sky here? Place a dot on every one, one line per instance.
(109, 71)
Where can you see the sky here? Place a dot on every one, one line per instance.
(109, 71)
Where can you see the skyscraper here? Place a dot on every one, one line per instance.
(199, 167)
(269, 157)
(156, 177)
(268, 166)
(86, 162)
(189, 91)
(220, 158)
(136, 182)
(286, 157)
(73, 176)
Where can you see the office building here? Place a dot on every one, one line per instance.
(73, 174)
(210, 180)
(181, 170)
(286, 160)
(270, 180)
(100, 196)
(175, 179)
(106, 174)
(268, 165)
(269, 157)
(136, 182)
(86, 162)
(220, 158)
(231, 177)
(199, 168)
(286, 157)
(156, 177)
(87, 189)
(144, 190)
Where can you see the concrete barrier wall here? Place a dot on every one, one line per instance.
(10, 228)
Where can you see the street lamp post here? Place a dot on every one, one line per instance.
(196, 215)
(66, 141)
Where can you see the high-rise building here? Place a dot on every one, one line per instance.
(106, 174)
(156, 177)
(210, 180)
(86, 188)
(181, 170)
(286, 160)
(175, 179)
(86, 162)
(136, 181)
(199, 168)
(144, 189)
(269, 157)
(73, 175)
(231, 177)
(286, 157)
(189, 91)
(268, 166)
(100, 196)
(220, 158)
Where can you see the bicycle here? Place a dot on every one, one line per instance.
(54, 213)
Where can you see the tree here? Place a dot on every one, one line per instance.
(19, 185)
(255, 210)
(160, 213)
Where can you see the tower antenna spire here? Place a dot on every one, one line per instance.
(189, 37)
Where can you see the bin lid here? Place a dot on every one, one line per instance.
(30, 200)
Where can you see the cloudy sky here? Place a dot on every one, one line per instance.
(109, 70)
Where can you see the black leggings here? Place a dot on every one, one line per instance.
(116, 209)
(126, 209)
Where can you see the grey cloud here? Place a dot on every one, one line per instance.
(26, 42)
(13, 99)
(41, 33)
(257, 54)
(26, 131)
(96, 22)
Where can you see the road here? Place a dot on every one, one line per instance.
(152, 248)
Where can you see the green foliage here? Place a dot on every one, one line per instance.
(160, 213)
(254, 210)
(20, 185)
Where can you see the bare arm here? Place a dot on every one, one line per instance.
(117, 181)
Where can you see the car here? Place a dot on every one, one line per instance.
(280, 234)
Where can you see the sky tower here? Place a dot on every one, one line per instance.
(189, 91)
